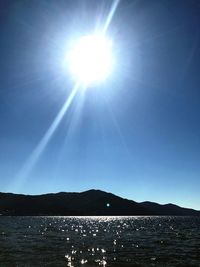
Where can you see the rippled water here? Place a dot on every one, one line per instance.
(99, 241)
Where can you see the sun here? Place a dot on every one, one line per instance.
(90, 59)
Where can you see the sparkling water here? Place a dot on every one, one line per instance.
(100, 241)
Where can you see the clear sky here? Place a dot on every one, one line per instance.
(137, 134)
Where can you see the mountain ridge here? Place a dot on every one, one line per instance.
(92, 202)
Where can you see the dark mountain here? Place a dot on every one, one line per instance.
(92, 202)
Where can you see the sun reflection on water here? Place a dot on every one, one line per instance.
(118, 241)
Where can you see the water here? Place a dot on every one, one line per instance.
(99, 241)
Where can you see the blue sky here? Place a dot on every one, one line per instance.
(137, 134)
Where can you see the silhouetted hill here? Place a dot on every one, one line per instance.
(92, 202)
(169, 209)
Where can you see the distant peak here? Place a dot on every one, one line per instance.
(93, 191)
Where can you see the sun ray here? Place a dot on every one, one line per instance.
(72, 127)
(37, 152)
(110, 15)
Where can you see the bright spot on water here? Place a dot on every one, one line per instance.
(83, 261)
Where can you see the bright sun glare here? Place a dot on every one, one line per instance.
(90, 59)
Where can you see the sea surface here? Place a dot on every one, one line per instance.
(99, 241)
